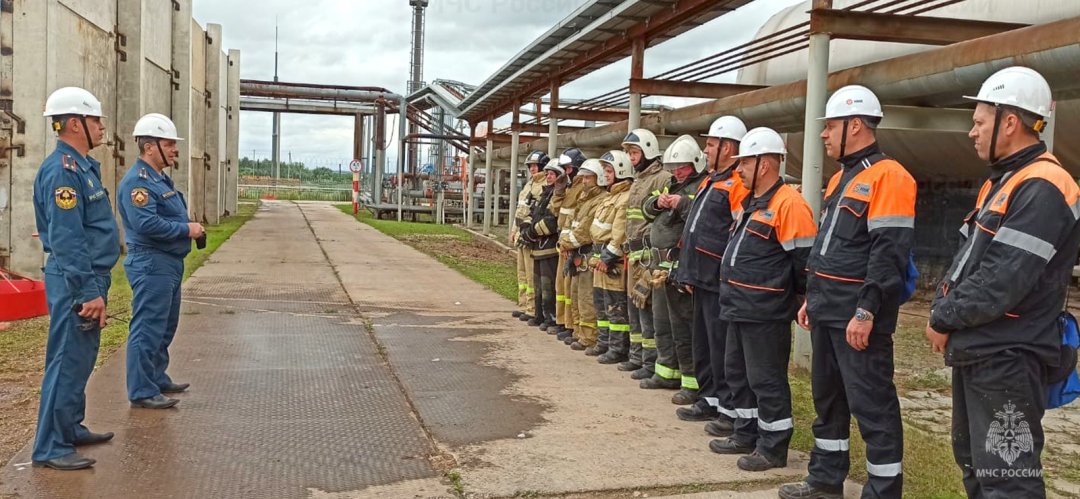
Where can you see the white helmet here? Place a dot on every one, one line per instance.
(620, 162)
(72, 100)
(553, 165)
(1019, 87)
(761, 141)
(594, 167)
(684, 150)
(650, 147)
(852, 100)
(157, 126)
(727, 127)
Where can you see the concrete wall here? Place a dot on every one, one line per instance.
(137, 57)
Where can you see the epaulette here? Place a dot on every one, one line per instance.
(143, 174)
(69, 163)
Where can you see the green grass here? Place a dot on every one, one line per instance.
(498, 276)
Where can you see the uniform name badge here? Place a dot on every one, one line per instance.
(66, 198)
(140, 197)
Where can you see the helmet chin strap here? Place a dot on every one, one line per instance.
(843, 139)
(993, 137)
(753, 183)
(161, 151)
(86, 130)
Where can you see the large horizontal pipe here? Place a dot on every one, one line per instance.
(305, 106)
(254, 88)
(936, 77)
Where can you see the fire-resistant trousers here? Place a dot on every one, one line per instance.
(562, 294)
(997, 434)
(618, 323)
(709, 347)
(583, 311)
(757, 359)
(600, 307)
(544, 270)
(526, 290)
(869, 395)
(673, 316)
(642, 340)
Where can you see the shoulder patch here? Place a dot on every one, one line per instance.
(862, 189)
(140, 197)
(66, 197)
(69, 163)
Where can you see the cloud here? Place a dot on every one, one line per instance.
(367, 43)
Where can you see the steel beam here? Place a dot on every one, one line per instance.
(673, 88)
(534, 128)
(590, 115)
(926, 30)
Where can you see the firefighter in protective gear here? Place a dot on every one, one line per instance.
(608, 232)
(673, 307)
(541, 231)
(995, 313)
(79, 234)
(528, 196)
(858, 267)
(576, 246)
(158, 234)
(649, 176)
(762, 284)
(563, 202)
(703, 241)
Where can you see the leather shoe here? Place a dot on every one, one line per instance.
(175, 387)
(722, 427)
(94, 438)
(629, 366)
(729, 446)
(757, 462)
(684, 397)
(656, 382)
(156, 402)
(69, 462)
(695, 413)
(610, 357)
(803, 490)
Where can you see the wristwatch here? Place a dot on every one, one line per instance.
(862, 315)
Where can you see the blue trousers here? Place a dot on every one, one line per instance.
(69, 359)
(155, 311)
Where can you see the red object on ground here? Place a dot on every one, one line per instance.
(21, 297)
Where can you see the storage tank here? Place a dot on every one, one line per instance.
(930, 156)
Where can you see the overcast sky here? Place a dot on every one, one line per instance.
(367, 43)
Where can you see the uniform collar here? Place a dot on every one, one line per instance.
(754, 204)
(853, 159)
(620, 186)
(86, 163)
(1016, 160)
(148, 172)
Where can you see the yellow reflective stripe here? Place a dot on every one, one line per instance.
(691, 196)
(568, 300)
(648, 343)
(667, 372)
(603, 323)
(621, 328)
(587, 324)
(521, 286)
(529, 289)
(561, 298)
(664, 265)
(635, 338)
(689, 382)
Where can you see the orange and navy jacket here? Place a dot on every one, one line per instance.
(860, 257)
(1008, 281)
(708, 229)
(763, 274)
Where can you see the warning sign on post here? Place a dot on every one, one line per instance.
(356, 166)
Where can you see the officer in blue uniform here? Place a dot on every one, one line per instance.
(158, 234)
(75, 221)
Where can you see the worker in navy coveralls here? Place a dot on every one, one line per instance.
(158, 234)
(79, 234)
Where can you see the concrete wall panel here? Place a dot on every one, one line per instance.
(198, 57)
(156, 90)
(181, 92)
(198, 165)
(157, 31)
(101, 13)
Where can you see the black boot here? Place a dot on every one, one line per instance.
(684, 397)
(757, 462)
(641, 373)
(610, 357)
(516, 313)
(629, 366)
(595, 351)
(696, 412)
(803, 490)
(722, 427)
(535, 321)
(656, 382)
(524, 317)
(729, 446)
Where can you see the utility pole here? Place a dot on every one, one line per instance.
(277, 116)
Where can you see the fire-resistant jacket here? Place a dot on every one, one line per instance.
(609, 230)
(649, 180)
(706, 234)
(667, 224)
(861, 254)
(564, 203)
(763, 274)
(578, 233)
(1008, 281)
(529, 195)
(545, 227)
